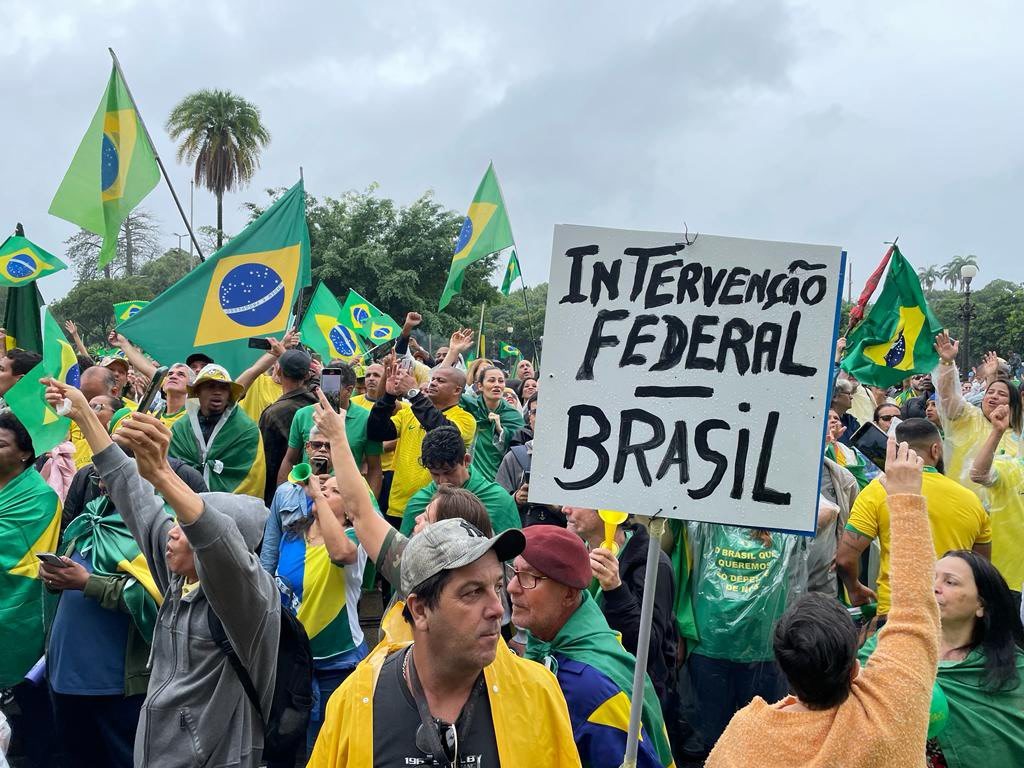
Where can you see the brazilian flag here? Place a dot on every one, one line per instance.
(22, 261)
(506, 351)
(247, 288)
(125, 309)
(325, 328)
(112, 171)
(370, 323)
(512, 272)
(21, 318)
(26, 399)
(897, 338)
(485, 230)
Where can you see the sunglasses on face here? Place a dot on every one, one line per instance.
(319, 445)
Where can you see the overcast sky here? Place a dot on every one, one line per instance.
(844, 123)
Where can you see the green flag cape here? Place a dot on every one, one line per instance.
(325, 330)
(897, 338)
(485, 230)
(29, 523)
(22, 261)
(113, 169)
(233, 462)
(506, 350)
(21, 318)
(125, 309)
(374, 326)
(245, 289)
(587, 638)
(681, 567)
(984, 728)
(27, 398)
(101, 534)
(511, 273)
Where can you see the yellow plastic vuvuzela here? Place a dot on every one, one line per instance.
(612, 520)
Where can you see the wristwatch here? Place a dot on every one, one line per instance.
(411, 393)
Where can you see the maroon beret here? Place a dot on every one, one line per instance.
(558, 554)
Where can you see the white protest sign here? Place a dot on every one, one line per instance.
(687, 375)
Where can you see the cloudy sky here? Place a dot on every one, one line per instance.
(844, 123)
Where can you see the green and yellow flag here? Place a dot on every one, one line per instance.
(112, 171)
(512, 272)
(506, 351)
(897, 338)
(22, 261)
(485, 230)
(22, 318)
(125, 309)
(370, 323)
(26, 399)
(326, 330)
(247, 288)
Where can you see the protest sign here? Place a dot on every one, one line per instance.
(686, 374)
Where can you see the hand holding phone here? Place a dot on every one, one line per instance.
(146, 403)
(51, 559)
(872, 442)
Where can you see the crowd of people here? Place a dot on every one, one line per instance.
(258, 570)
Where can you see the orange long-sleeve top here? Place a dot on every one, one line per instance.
(883, 722)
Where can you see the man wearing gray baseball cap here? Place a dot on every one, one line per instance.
(456, 695)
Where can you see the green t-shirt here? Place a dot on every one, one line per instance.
(355, 430)
(488, 448)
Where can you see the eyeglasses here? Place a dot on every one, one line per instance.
(527, 580)
(319, 445)
(886, 418)
(447, 735)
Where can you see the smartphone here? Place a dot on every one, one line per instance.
(330, 385)
(51, 559)
(255, 342)
(146, 403)
(526, 478)
(872, 442)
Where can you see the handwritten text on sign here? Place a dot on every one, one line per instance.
(686, 374)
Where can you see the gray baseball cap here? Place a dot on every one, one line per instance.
(450, 544)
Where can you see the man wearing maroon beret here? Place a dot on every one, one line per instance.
(568, 634)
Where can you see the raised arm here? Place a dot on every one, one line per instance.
(950, 399)
(72, 330)
(981, 468)
(460, 342)
(341, 549)
(138, 361)
(267, 359)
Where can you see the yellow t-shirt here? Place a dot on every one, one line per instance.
(958, 521)
(963, 436)
(387, 459)
(1005, 502)
(409, 475)
(83, 453)
(261, 393)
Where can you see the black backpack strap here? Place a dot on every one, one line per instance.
(221, 639)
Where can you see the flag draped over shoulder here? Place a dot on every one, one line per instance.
(22, 262)
(26, 399)
(506, 350)
(512, 272)
(101, 534)
(233, 461)
(125, 309)
(485, 230)
(245, 289)
(112, 171)
(372, 325)
(325, 330)
(897, 338)
(22, 318)
(29, 524)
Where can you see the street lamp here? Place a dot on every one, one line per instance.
(179, 238)
(967, 312)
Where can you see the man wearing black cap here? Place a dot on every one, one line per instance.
(456, 696)
(197, 361)
(276, 421)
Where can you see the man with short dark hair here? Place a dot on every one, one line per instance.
(456, 696)
(841, 715)
(955, 514)
(548, 590)
(276, 421)
(15, 364)
(444, 456)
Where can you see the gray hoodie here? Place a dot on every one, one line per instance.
(196, 712)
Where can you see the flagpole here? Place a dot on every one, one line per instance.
(529, 316)
(480, 333)
(156, 155)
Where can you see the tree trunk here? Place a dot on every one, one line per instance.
(220, 219)
(129, 266)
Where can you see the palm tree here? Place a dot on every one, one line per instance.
(929, 276)
(223, 134)
(951, 271)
